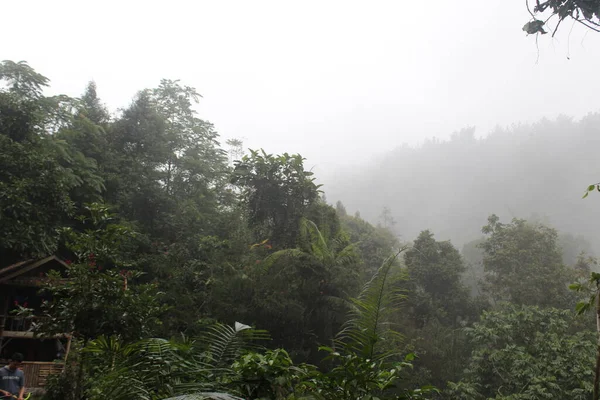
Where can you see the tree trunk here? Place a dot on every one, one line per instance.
(79, 387)
(597, 373)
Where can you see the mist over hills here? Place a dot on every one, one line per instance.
(533, 171)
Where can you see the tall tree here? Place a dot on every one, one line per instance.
(526, 352)
(93, 108)
(40, 174)
(435, 270)
(523, 264)
(277, 191)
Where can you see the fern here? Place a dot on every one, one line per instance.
(369, 323)
(316, 249)
(206, 396)
(226, 342)
(155, 369)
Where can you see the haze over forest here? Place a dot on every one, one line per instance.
(229, 200)
(531, 171)
(349, 96)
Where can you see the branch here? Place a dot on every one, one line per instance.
(529, 9)
(587, 26)
(557, 25)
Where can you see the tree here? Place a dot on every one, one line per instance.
(438, 306)
(435, 276)
(168, 171)
(93, 108)
(592, 302)
(585, 12)
(193, 155)
(277, 191)
(375, 243)
(526, 352)
(301, 289)
(236, 150)
(363, 348)
(98, 294)
(387, 218)
(34, 199)
(474, 274)
(523, 264)
(40, 174)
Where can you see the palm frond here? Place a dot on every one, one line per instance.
(206, 396)
(369, 322)
(348, 255)
(290, 254)
(160, 368)
(227, 342)
(310, 232)
(152, 367)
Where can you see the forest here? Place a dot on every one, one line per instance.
(198, 269)
(195, 268)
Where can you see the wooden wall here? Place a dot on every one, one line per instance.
(37, 372)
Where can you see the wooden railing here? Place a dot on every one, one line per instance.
(20, 324)
(37, 372)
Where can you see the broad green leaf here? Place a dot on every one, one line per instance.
(582, 307)
(575, 286)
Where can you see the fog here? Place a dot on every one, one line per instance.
(344, 84)
(533, 171)
(334, 81)
(413, 227)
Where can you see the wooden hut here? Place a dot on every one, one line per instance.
(19, 286)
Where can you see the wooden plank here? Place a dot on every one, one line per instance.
(32, 372)
(31, 335)
(11, 267)
(26, 269)
(37, 372)
(7, 293)
(69, 339)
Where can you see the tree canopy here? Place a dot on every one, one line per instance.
(197, 272)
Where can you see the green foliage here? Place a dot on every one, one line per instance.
(369, 322)
(302, 288)
(271, 375)
(42, 175)
(435, 270)
(277, 192)
(359, 378)
(438, 306)
(524, 352)
(92, 107)
(94, 297)
(474, 274)
(523, 264)
(586, 12)
(89, 303)
(62, 386)
(366, 345)
(155, 369)
(34, 199)
(167, 240)
(375, 244)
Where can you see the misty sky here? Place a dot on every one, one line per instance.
(337, 81)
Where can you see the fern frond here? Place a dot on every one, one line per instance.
(318, 245)
(227, 342)
(348, 255)
(291, 254)
(206, 396)
(369, 324)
